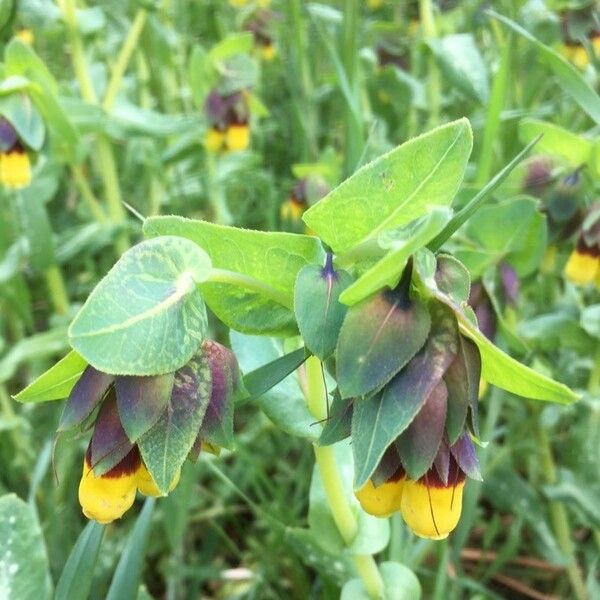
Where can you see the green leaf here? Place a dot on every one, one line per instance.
(57, 382)
(377, 421)
(461, 63)
(369, 353)
(317, 307)
(402, 243)
(251, 288)
(557, 141)
(76, 578)
(284, 403)
(339, 424)
(23, 561)
(234, 43)
(18, 109)
(395, 189)
(504, 371)
(373, 533)
(165, 447)
(399, 583)
(147, 316)
(126, 580)
(571, 81)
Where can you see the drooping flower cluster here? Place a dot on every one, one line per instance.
(228, 116)
(132, 416)
(15, 166)
(411, 380)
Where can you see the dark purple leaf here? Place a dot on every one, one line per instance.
(466, 456)
(442, 462)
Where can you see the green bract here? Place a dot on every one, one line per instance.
(395, 188)
(147, 316)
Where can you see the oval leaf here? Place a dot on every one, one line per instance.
(147, 316)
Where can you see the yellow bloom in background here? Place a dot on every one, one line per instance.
(267, 51)
(238, 3)
(110, 496)
(237, 137)
(575, 54)
(26, 36)
(582, 266)
(374, 4)
(292, 210)
(214, 139)
(430, 508)
(147, 486)
(15, 168)
(382, 500)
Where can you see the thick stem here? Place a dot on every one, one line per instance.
(559, 517)
(57, 290)
(333, 485)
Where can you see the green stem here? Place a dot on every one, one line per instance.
(252, 284)
(435, 84)
(559, 517)
(341, 509)
(6, 409)
(57, 289)
(496, 104)
(123, 59)
(216, 195)
(87, 194)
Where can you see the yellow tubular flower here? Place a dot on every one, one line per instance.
(147, 486)
(26, 36)
(581, 268)
(15, 169)
(267, 52)
(111, 495)
(432, 511)
(214, 139)
(575, 54)
(237, 137)
(292, 210)
(385, 499)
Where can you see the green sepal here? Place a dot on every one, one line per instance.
(339, 424)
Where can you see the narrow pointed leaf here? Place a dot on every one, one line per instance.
(419, 444)
(318, 310)
(141, 401)
(76, 578)
(165, 447)
(84, 397)
(126, 580)
(147, 316)
(57, 382)
(378, 337)
(442, 461)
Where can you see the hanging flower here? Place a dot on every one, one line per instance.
(15, 166)
(306, 192)
(130, 416)
(583, 265)
(228, 116)
(259, 25)
(577, 25)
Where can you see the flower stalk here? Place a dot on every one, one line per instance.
(339, 504)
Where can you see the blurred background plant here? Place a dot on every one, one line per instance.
(246, 113)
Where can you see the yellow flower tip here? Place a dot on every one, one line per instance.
(110, 496)
(15, 169)
(432, 511)
(374, 4)
(383, 500)
(237, 137)
(575, 54)
(292, 209)
(26, 36)
(214, 139)
(147, 486)
(581, 268)
(238, 3)
(267, 51)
